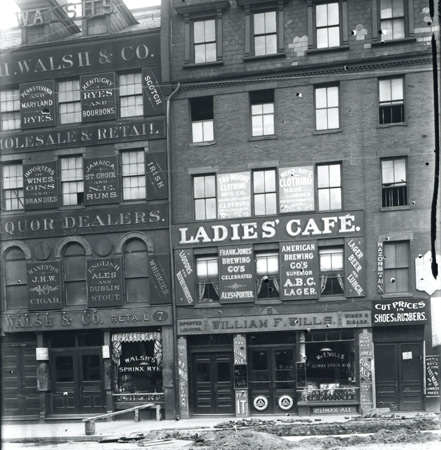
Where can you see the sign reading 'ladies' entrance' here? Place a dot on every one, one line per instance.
(40, 186)
(104, 282)
(101, 180)
(44, 286)
(296, 189)
(98, 97)
(400, 312)
(37, 104)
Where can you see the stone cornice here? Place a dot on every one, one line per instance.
(203, 7)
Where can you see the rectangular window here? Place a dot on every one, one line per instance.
(69, 101)
(327, 108)
(72, 185)
(329, 187)
(204, 39)
(130, 95)
(331, 271)
(133, 175)
(264, 192)
(267, 271)
(13, 197)
(202, 119)
(392, 19)
(396, 267)
(327, 21)
(262, 113)
(9, 110)
(265, 33)
(204, 195)
(391, 93)
(207, 279)
(394, 182)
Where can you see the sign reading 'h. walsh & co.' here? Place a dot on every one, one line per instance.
(400, 312)
(40, 185)
(98, 97)
(104, 282)
(37, 104)
(101, 180)
(44, 286)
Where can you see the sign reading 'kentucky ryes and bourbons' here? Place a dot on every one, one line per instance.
(101, 180)
(40, 186)
(37, 104)
(104, 283)
(98, 97)
(44, 286)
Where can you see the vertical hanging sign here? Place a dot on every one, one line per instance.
(354, 267)
(156, 169)
(159, 276)
(380, 268)
(185, 277)
(366, 347)
(432, 376)
(296, 189)
(37, 104)
(153, 95)
(44, 286)
(104, 283)
(40, 186)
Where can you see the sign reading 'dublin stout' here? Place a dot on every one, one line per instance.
(40, 186)
(44, 286)
(104, 283)
(234, 195)
(296, 189)
(153, 95)
(98, 97)
(101, 180)
(37, 104)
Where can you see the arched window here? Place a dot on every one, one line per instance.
(15, 279)
(136, 272)
(74, 263)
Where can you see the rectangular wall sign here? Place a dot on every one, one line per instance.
(400, 312)
(104, 283)
(98, 97)
(234, 195)
(296, 189)
(37, 104)
(152, 92)
(101, 180)
(44, 285)
(40, 186)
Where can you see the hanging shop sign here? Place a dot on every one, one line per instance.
(185, 277)
(156, 169)
(183, 376)
(37, 104)
(380, 268)
(98, 97)
(432, 376)
(242, 405)
(104, 283)
(153, 95)
(101, 180)
(159, 276)
(296, 189)
(299, 270)
(240, 349)
(44, 286)
(400, 312)
(40, 186)
(236, 274)
(354, 267)
(234, 195)
(366, 352)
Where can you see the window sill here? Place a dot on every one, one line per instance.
(207, 64)
(132, 202)
(201, 144)
(395, 208)
(262, 138)
(327, 402)
(262, 57)
(268, 301)
(313, 51)
(332, 298)
(207, 305)
(389, 125)
(333, 131)
(397, 295)
(408, 40)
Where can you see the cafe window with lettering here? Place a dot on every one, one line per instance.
(130, 95)
(267, 275)
(9, 110)
(72, 184)
(69, 101)
(136, 271)
(207, 271)
(15, 276)
(330, 367)
(204, 196)
(264, 192)
(74, 267)
(12, 180)
(133, 175)
(331, 271)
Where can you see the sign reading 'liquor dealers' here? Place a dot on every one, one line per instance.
(37, 104)
(354, 270)
(400, 312)
(299, 270)
(296, 189)
(40, 186)
(44, 286)
(234, 195)
(98, 97)
(236, 274)
(104, 283)
(101, 180)
(184, 277)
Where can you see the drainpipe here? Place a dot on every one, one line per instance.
(172, 261)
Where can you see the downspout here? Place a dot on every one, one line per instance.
(172, 261)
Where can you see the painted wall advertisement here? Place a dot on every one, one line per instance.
(152, 92)
(366, 348)
(44, 285)
(156, 168)
(159, 275)
(101, 180)
(40, 186)
(185, 276)
(104, 283)
(380, 268)
(37, 104)
(98, 97)
(299, 270)
(236, 274)
(354, 270)
(234, 195)
(296, 189)
(432, 376)
(183, 377)
(400, 312)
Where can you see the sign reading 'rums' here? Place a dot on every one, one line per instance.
(98, 97)
(400, 312)
(104, 282)
(40, 186)
(44, 286)
(37, 104)
(101, 180)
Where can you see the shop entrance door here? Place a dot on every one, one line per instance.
(399, 376)
(77, 385)
(213, 391)
(272, 380)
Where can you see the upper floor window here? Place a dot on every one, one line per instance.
(392, 19)
(331, 271)
(267, 274)
(204, 196)
(130, 94)
(327, 22)
(204, 41)
(13, 194)
(207, 279)
(327, 108)
(391, 94)
(9, 110)
(329, 187)
(69, 101)
(15, 276)
(396, 267)
(72, 184)
(394, 182)
(265, 33)
(133, 175)
(262, 113)
(202, 119)
(74, 265)
(136, 271)
(264, 192)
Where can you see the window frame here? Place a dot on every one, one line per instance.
(404, 184)
(64, 182)
(267, 277)
(208, 280)
(328, 26)
(205, 103)
(128, 276)
(136, 95)
(256, 34)
(263, 114)
(390, 103)
(73, 98)
(205, 198)
(392, 270)
(132, 176)
(71, 281)
(204, 43)
(265, 193)
(327, 108)
(20, 285)
(20, 189)
(336, 249)
(10, 109)
(329, 187)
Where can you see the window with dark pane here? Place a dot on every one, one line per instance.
(391, 93)
(264, 192)
(267, 271)
(262, 113)
(136, 271)
(396, 267)
(74, 265)
(394, 182)
(204, 196)
(15, 276)
(202, 119)
(207, 279)
(331, 271)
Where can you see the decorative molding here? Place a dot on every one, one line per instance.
(203, 7)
